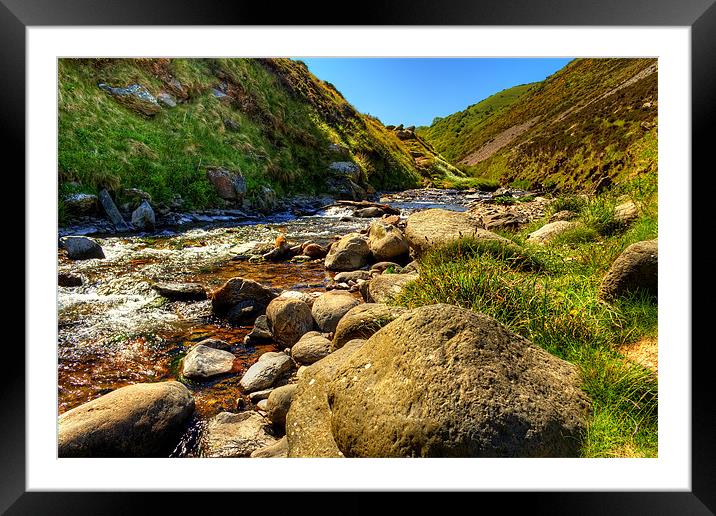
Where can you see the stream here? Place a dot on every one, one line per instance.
(115, 330)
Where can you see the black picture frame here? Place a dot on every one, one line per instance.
(699, 15)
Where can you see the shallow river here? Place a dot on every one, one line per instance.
(115, 330)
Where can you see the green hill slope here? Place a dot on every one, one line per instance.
(595, 119)
(270, 120)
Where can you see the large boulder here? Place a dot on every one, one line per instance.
(278, 403)
(236, 290)
(288, 319)
(386, 241)
(548, 232)
(428, 229)
(230, 186)
(308, 420)
(386, 287)
(81, 248)
(180, 291)
(345, 188)
(143, 217)
(264, 373)
(235, 435)
(203, 362)
(141, 420)
(330, 307)
(637, 268)
(311, 348)
(443, 381)
(348, 254)
(135, 96)
(345, 169)
(362, 321)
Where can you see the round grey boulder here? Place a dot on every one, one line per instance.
(265, 372)
(362, 321)
(204, 362)
(141, 420)
(386, 242)
(636, 269)
(81, 248)
(348, 254)
(443, 381)
(288, 319)
(143, 217)
(279, 402)
(310, 349)
(330, 307)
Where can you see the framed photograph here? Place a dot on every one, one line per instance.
(171, 138)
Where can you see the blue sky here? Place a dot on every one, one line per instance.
(413, 91)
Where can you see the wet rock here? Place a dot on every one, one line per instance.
(167, 99)
(215, 344)
(362, 321)
(310, 349)
(626, 212)
(229, 185)
(204, 362)
(143, 217)
(260, 331)
(386, 287)
(236, 290)
(315, 250)
(274, 451)
(265, 372)
(442, 381)
(278, 404)
(112, 212)
(81, 204)
(366, 213)
(180, 291)
(348, 254)
(635, 269)
(308, 420)
(288, 319)
(352, 276)
(67, 279)
(386, 242)
(330, 307)
(135, 96)
(278, 253)
(245, 312)
(345, 169)
(236, 435)
(548, 232)
(81, 248)
(141, 420)
(432, 228)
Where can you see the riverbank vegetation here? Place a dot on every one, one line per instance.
(550, 295)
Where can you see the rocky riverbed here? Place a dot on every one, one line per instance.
(138, 314)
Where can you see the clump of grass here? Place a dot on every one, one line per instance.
(570, 202)
(576, 235)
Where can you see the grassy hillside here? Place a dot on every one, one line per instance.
(594, 119)
(453, 135)
(272, 120)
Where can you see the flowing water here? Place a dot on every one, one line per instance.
(115, 330)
